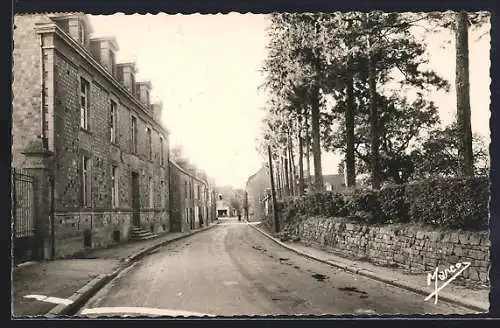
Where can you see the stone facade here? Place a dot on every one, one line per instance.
(94, 160)
(256, 187)
(416, 249)
(191, 197)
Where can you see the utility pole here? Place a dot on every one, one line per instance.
(273, 191)
(246, 205)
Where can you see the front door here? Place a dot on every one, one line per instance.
(136, 201)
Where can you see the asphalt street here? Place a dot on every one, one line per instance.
(233, 269)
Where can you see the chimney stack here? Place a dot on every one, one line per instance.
(143, 92)
(104, 50)
(157, 110)
(126, 75)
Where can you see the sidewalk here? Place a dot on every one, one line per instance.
(476, 299)
(79, 277)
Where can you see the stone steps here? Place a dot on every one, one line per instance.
(138, 233)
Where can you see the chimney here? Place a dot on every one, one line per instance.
(104, 50)
(126, 75)
(76, 25)
(143, 92)
(157, 109)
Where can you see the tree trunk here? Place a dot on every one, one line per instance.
(283, 177)
(301, 159)
(308, 152)
(278, 180)
(293, 187)
(287, 177)
(349, 127)
(273, 192)
(316, 146)
(375, 159)
(463, 95)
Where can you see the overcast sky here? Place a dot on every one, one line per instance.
(205, 70)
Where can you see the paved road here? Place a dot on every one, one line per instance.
(232, 269)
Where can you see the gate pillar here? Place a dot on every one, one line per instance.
(39, 164)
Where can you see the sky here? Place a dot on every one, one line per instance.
(205, 70)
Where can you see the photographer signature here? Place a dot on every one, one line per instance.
(456, 270)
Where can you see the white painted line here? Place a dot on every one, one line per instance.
(140, 311)
(49, 299)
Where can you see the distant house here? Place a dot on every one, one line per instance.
(256, 187)
(333, 182)
(191, 197)
(224, 195)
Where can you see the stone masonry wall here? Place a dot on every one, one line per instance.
(26, 85)
(64, 66)
(411, 247)
(70, 229)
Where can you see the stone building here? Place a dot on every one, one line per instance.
(83, 124)
(191, 196)
(226, 195)
(256, 188)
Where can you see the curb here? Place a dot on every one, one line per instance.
(138, 255)
(369, 274)
(23, 265)
(91, 288)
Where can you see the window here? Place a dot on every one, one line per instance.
(150, 146)
(151, 193)
(162, 159)
(112, 62)
(134, 134)
(185, 189)
(113, 119)
(162, 194)
(114, 187)
(84, 103)
(220, 197)
(85, 181)
(83, 37)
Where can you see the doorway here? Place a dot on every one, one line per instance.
(136, 201)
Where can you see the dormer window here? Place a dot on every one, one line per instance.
(112, 62)
(103, 49)
(83, 37)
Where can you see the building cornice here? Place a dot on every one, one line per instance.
(187, 173)
(52, 28)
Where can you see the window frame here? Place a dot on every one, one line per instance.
(113, 112)
(83, 36)
(84, 94)
(151, 192)
(149, 136)
(133, 134)
(86, 191)
(114, 187)
(162, 155)
(162, 194)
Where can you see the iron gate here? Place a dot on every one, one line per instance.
(23, 215)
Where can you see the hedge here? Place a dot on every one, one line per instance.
(452, 202)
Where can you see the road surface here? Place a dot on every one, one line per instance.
(232, 269)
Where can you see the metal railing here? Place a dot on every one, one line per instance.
(23, 204)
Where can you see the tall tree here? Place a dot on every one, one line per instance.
(349, 135)
(463, 94)
(460, 24)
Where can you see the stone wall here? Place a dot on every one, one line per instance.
(415, 248)
(64, 64)
(26, 85)
(104, 228)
